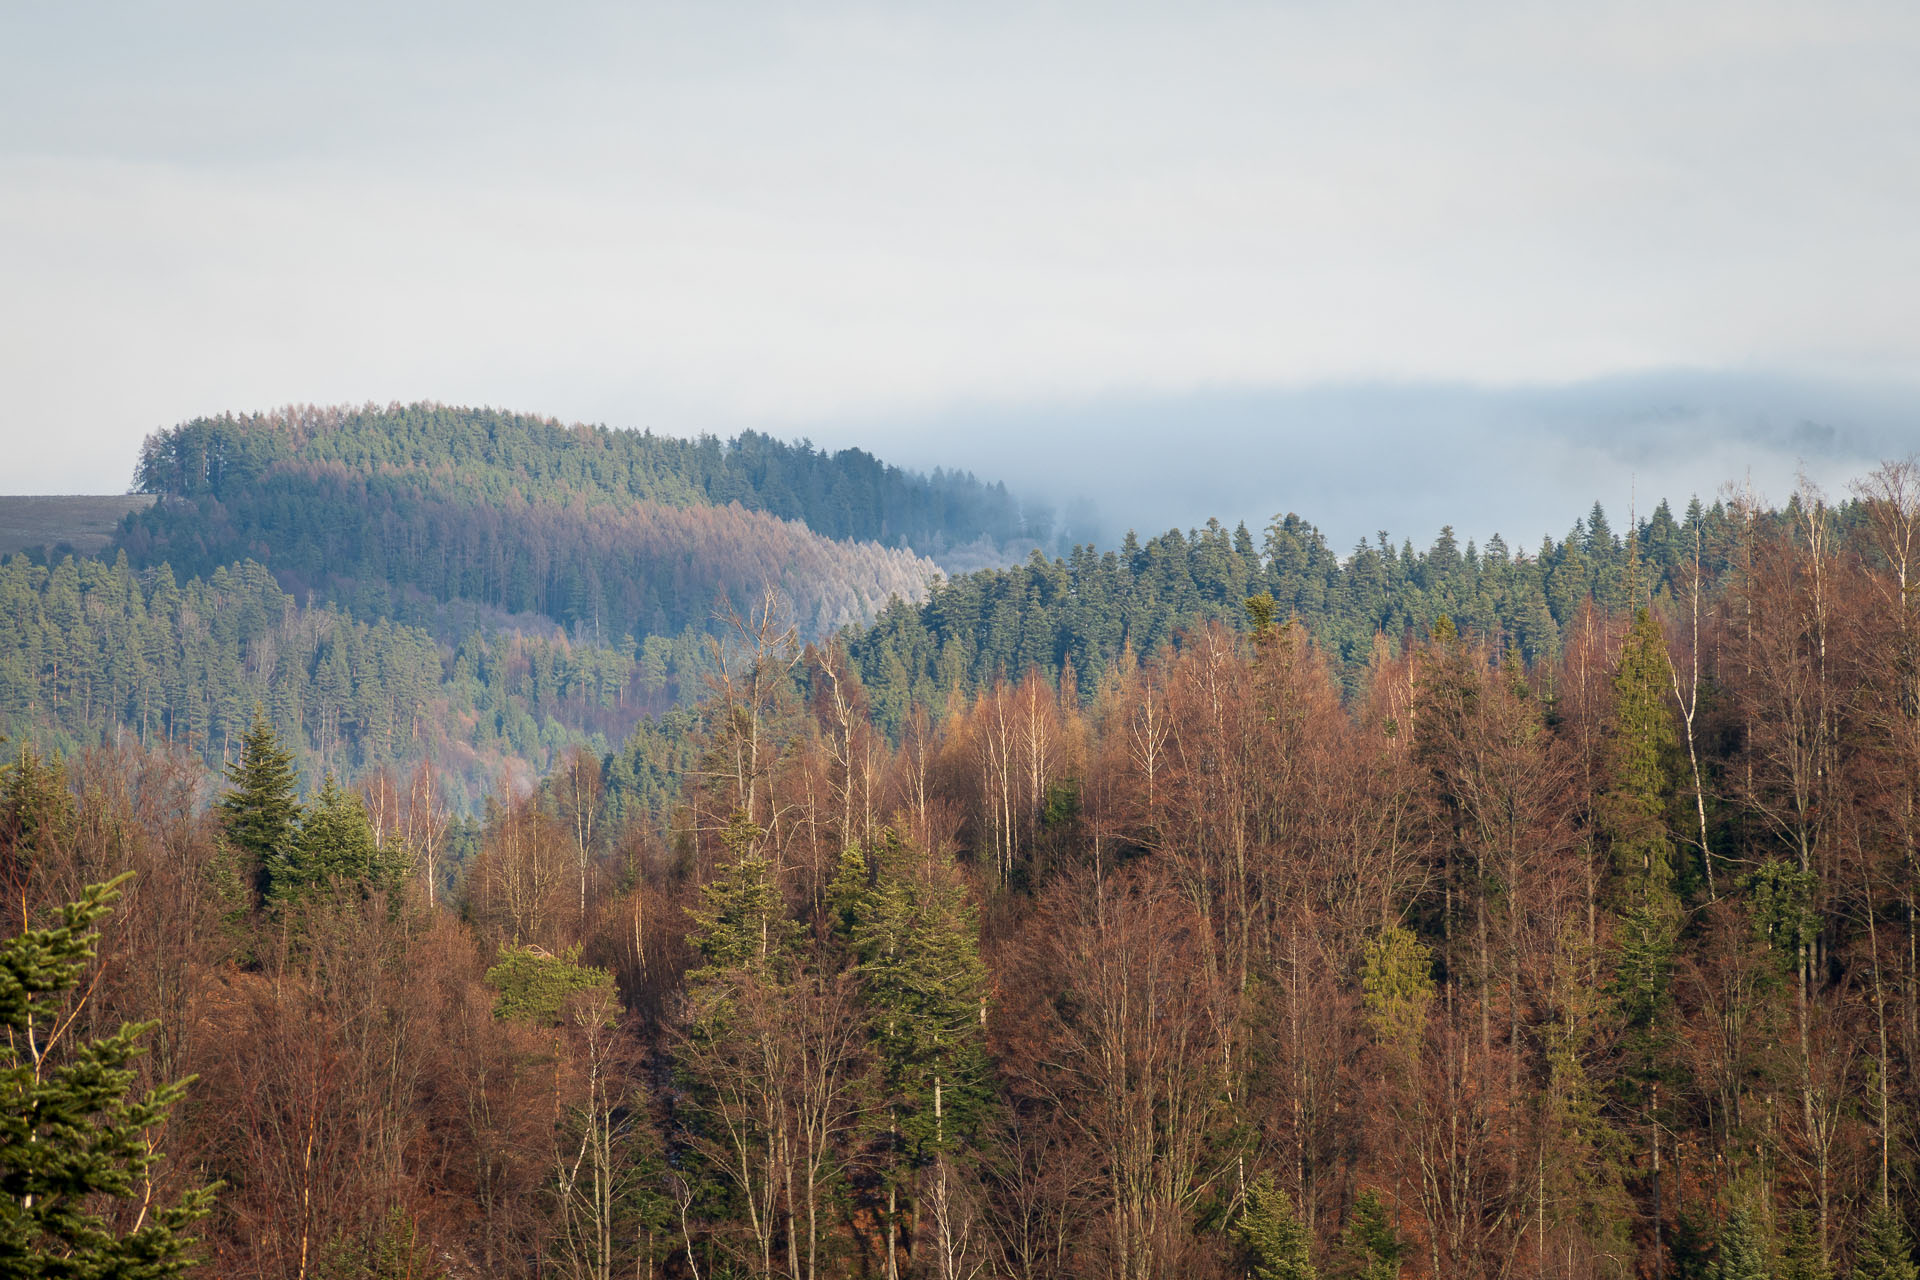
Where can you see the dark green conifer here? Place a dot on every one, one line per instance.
(37, 814)
(1801, 1257)
(916, 944)
(1884, 1251)
(1276, 1241)
(741, 922)
(335, 845)
(1743, 1250)
(260, 814)
(71, 1139)
(1370, 1248)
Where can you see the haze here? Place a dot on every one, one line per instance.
(1384, 264)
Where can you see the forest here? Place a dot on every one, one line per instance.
(1194, 909)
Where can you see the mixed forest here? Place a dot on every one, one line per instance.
(1203, 907)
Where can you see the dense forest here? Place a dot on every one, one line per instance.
(1196, 909)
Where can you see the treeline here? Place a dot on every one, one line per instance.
(391, 546)
(94, 652)
(1081, 613)
(484, 456)
(1599, 964)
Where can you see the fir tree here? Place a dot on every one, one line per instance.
(334, 845)
(70, 1136)
(36, 813)
(1884, 1251)
(920, 969)
(1801, 1257)
(1743, 1252)
(1276, 1241)
(261, 814)
(1370, 1248)
(741, 922)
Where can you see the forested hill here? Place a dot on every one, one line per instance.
(487, 456)
(425, 514)
(1084, 610)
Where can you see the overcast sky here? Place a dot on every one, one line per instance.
(1398, 259)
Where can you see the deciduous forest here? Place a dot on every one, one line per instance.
(1199, 908)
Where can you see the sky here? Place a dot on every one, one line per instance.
(1385, 264)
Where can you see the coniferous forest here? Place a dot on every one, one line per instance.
(545, 851)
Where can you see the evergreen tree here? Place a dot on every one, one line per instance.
(1884, 1251)
(37, 814)
(260, 814)
(334, 845)
(915, 940)
(741, 922)
(1370, 1248)
(1743, 1251)
(70, 1136)
(1801, 1257)
(1275, 1239)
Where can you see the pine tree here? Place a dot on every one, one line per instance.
(1270, 1230)
(261, 813)
(1743, 1253)
(1884, 1251)
(70, 1136)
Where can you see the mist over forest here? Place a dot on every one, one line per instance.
(1409, 456)
(645, 641)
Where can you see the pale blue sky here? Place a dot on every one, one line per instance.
(943, 232)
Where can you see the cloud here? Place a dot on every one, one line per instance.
(1409, 457)
(712, 217)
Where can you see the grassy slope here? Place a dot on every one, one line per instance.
(82, 521)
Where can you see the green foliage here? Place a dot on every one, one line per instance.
(483, 456)
(396, 1252)
(1370, 1248)
(260, 813)
(1801, 1257)
(1277, 1243)
(1742, 1248)
(916, 944)
(334, 847)
(741, 922)
(1883, 1250)
(1781, 900)
(537, 987)
(37, 815)
(1396, 981)
(70, 1136)
(1091, 606)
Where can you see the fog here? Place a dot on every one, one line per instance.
(1357, 458)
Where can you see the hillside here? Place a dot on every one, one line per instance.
(1083, 611)
(81, 522)
(485, 456)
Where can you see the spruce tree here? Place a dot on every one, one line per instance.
(333, 845)
(260, 814)
(1884, 1251)
(1801, 1257)
(741, 922)
(1370, 1249)
(37, 814)
(1743, 1251)
(915, 941)
(71, 1139)
(1276, 1241)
